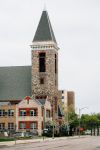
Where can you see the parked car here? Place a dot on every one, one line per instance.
(26, 134)
(45, 131)
(87, 132)
(34, 132)
(19, 134)
(31, 134)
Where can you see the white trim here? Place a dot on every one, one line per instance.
(44, 46)
(44, 43)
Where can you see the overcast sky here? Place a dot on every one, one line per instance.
(76, 24)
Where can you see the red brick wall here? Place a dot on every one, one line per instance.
(28, 110)
(28, 124)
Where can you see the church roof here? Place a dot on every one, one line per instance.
(41, 101)
(44, 30)
(15, 82)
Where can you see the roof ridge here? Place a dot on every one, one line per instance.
(52, 36)
(14, 66)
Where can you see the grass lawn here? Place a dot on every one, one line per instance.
(6, 139)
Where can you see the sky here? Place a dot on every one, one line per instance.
(76, 25)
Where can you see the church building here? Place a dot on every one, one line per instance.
(37, 83)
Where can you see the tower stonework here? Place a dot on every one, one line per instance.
(45, 62)
(49, 87)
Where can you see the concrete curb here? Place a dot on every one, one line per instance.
(11, 143)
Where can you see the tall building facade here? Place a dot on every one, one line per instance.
(45, 63)
(68, 98)
(71, 99)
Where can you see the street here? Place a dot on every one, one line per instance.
(83, 143)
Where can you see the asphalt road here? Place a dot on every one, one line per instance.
(85, 143)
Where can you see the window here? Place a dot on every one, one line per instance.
(33, 125)
(22, 112)
(2, 112)
(62, 97)
(33, 112)
(42, 58)
(41, 80)
(2, 126)
(22, 125)
(27, 101)
(10, 126)
(55, 63)
(10, 112)
(48, 113)
(62, 91)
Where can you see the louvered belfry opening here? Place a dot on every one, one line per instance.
(42, 62)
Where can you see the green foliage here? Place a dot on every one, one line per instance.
(86, 121)
(89, 121)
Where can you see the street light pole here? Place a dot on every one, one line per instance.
(53, 118)
(15, 134)
(79, 120)
(67, 121)
(80, 109)
(43, 109)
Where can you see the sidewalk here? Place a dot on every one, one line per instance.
(11, 143)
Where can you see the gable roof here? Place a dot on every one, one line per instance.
(44, 31)
(15, 82)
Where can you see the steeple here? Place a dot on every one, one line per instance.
(45, 63)
(44, 30)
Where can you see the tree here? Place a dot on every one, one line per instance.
(90, 122)
(70, 119)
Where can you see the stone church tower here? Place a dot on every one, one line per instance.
(45, 62)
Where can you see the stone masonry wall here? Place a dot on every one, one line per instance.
(49, 88)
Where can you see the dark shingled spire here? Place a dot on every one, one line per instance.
(44, 31)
